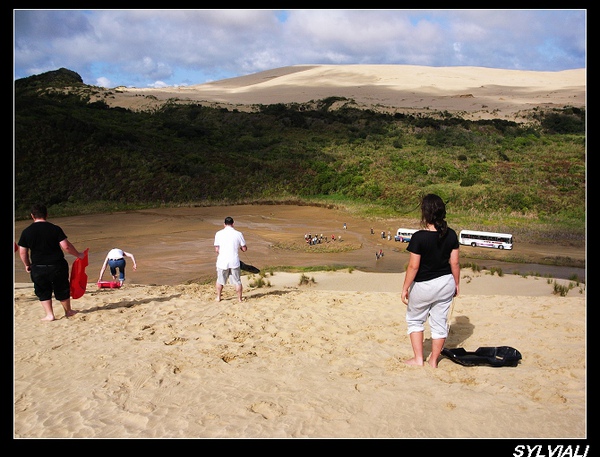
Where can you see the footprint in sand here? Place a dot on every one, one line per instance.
(267, 410)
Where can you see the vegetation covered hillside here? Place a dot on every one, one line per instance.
(74, 154)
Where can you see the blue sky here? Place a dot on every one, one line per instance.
(157, 48)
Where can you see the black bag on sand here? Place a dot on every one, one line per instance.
(500, 356)
(248, 268)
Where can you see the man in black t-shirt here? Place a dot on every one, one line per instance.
(41, 248)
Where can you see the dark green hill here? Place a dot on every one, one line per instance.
(58, 78)
(77, 156)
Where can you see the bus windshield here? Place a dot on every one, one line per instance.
(486, 239)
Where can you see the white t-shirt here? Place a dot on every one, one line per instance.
(229, 241)
(115, 253)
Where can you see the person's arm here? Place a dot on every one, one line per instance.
(455, 267)
(414, 261)
(24, 254)
(103, 269)
(128, 254)
(243, 246)
(67, 246)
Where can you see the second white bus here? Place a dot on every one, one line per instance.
(404, 234)
(486, 239)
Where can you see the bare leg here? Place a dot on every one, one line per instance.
(238, 289)
(219, 290)
(66, 304)
(416, 340)
(47, 304)
(436, 349)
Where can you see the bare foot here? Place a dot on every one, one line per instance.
(414, 362)
(48, 318)
(218, 299)
(71, 313)
(433, 363)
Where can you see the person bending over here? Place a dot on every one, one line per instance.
(115, 259)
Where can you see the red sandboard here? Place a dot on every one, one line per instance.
(78, 280)
(108, 284)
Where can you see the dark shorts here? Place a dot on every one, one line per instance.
(51, 278)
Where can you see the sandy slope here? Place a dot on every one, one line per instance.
(472, 91)
(314, 361)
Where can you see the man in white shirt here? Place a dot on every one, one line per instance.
(228, 242)
(115, 259)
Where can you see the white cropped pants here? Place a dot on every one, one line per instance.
(430, 299)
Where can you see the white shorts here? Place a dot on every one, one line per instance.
(430, 299)
(232, 273)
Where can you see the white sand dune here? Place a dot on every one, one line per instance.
(471, 91)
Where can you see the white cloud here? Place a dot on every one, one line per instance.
(103, 82)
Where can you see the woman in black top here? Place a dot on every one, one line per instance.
(432, 279)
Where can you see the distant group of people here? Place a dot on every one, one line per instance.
(430, 284)
(313, 239)
(383, 235)
(318, 239)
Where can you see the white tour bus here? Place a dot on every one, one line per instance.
(404, 234)
(486, 239)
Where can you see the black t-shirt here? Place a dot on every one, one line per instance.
(43, 240)
(435, 258)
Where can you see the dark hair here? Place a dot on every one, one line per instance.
(229, 220)
(433, 211)
(39, 211)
